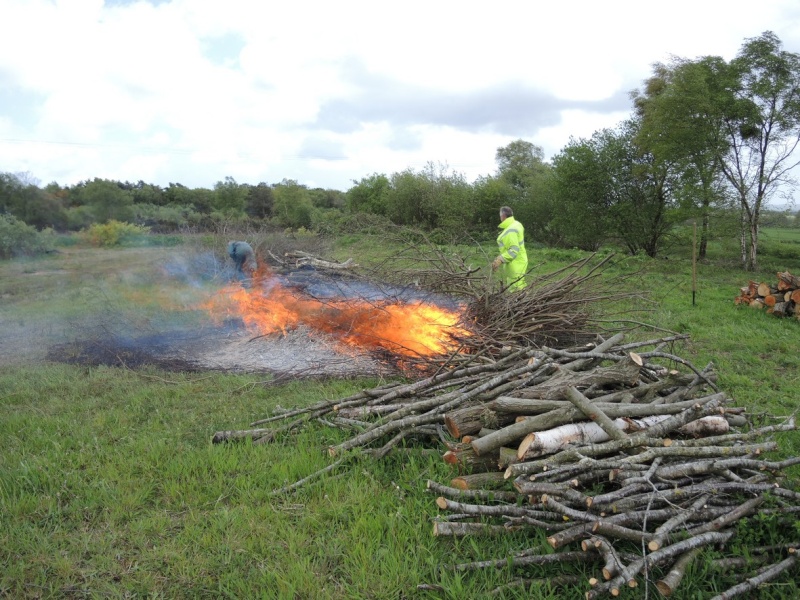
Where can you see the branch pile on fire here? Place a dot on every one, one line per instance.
(628, 457)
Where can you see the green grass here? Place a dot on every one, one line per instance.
(110, 486)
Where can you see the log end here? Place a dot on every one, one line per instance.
(459, 483)
(664, 588)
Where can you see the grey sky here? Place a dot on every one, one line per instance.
(327, 93)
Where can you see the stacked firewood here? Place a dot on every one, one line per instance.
(780, 299)
(627, 456)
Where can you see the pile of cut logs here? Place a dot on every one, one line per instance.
(627, 456)
(780, 299)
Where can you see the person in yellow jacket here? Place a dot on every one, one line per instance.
(511, 244)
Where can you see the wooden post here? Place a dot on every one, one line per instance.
(694, 262)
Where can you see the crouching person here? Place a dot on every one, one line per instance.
(244, 259)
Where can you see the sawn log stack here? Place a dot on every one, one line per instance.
(780, 299)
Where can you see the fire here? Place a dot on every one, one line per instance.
(409, 328)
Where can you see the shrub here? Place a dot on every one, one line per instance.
(113, 233)
(19, 239)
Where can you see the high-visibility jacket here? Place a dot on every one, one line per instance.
(511, 245)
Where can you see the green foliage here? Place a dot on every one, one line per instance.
(113, 233)
(292, 206)
(370, 195)
(230, 198)
(169, 218)
(79, 217)
(19, 239)
(29, 203)
(433, 198)
(260, 200)
(611, 190)
(582, 189)
(107, 200)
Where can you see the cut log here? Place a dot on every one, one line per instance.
(795, 297)
(713, 425)
(488, 481)
(780, 309)
(465, 421)
(508, 456)
(787, 281)
(556, 439)
(459, 529)
(464, 457)
(772, 300)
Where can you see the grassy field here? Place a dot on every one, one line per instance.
(110, 486)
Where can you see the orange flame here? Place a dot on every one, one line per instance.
(411, 328)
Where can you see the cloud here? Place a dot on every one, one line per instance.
(326, 93)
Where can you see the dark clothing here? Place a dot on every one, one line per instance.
(243, 258)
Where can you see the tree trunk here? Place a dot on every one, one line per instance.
(743, 235)
(752, 259)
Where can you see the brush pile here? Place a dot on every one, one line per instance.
(610, 448)
(624, 457)
(630, 468)
(780, 299)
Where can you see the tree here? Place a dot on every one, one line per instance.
(21, 197)
(292, 205)
(230, 198)
(641, 213)
(432, 198)
(260, 199)
(370, 195)
(327, 198)
(106, 200)
(518, 162)
(681, 124)
(762, 126)
(521, 166)
(609, 188)
(582, 187)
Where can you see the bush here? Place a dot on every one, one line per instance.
(113, 233)
(19, 239)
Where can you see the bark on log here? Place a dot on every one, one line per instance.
(553, 440)
(787, 281)
(465, 421)
(779, 309)
(596, 414)
(763, 577)
(493, 495)
(477, 481)
(713, 425)
(625, 372)
(459, 529)
(465, 458)
(670, 582)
